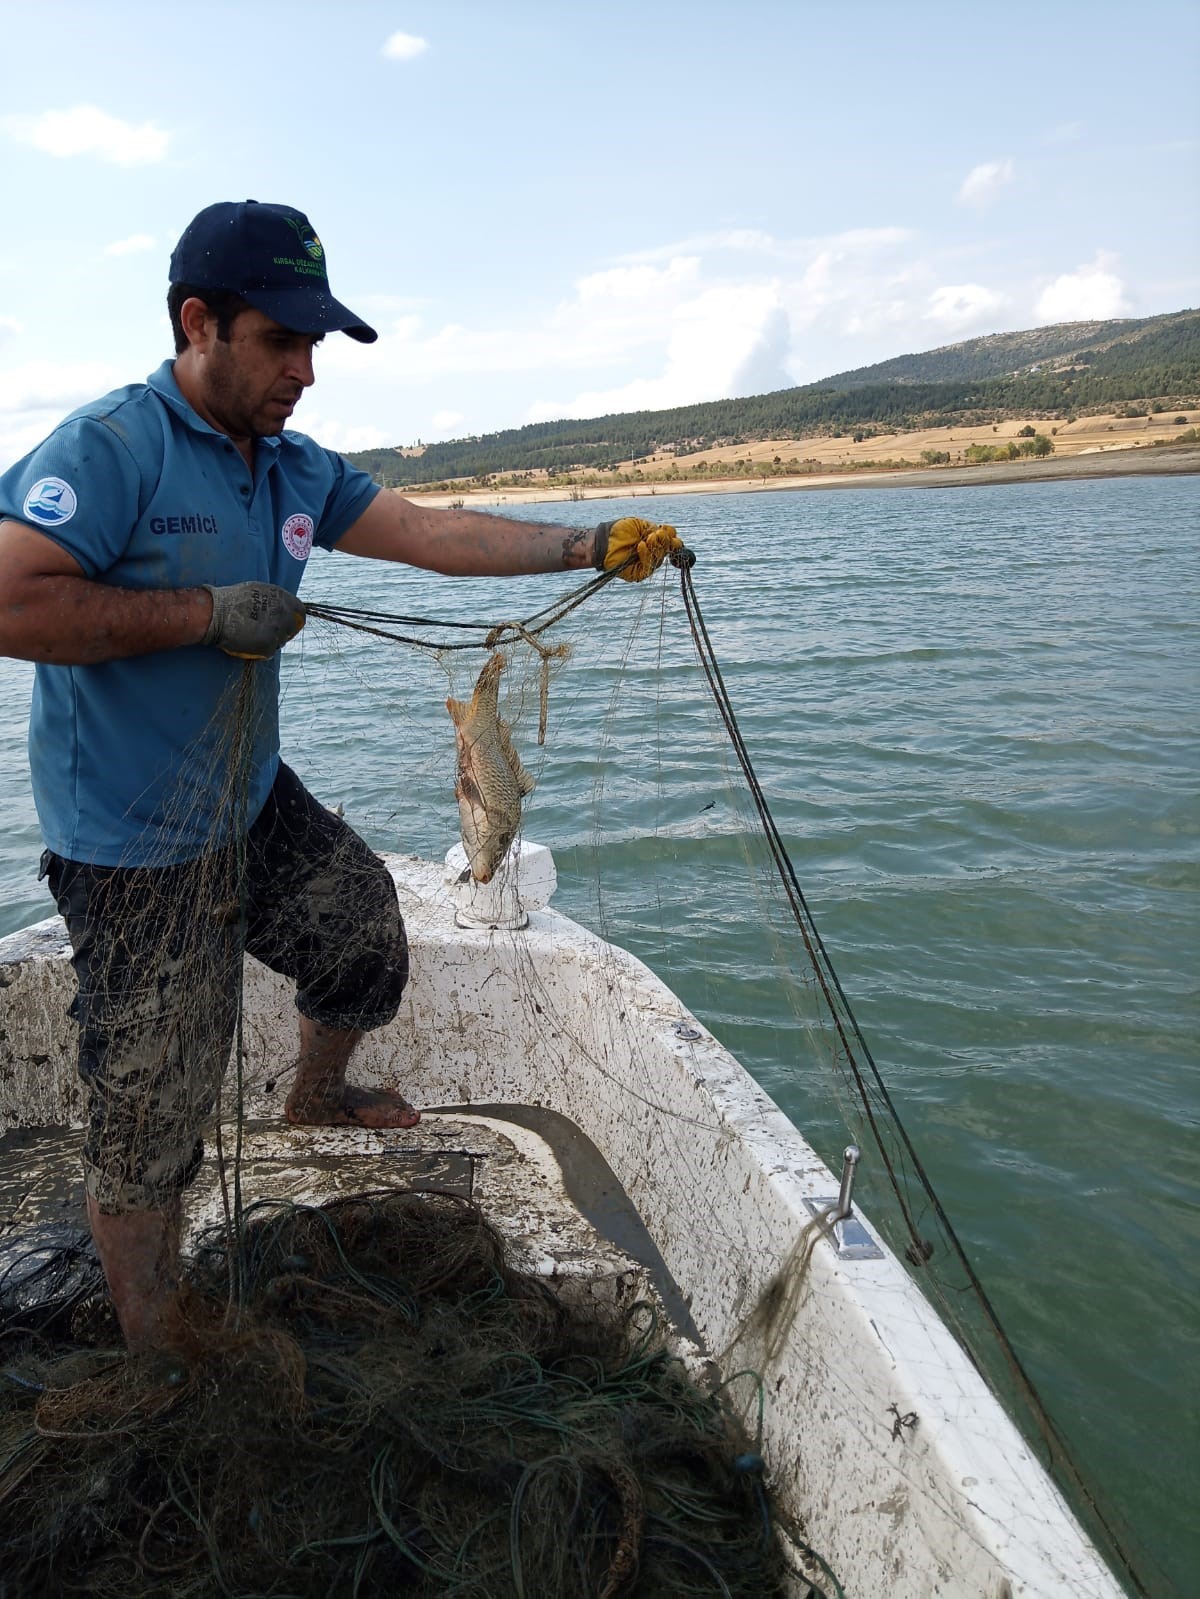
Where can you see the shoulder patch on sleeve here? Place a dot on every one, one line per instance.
(50, 502)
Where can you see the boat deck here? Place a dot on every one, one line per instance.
(541, 1183)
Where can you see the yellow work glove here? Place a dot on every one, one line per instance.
(649, 543)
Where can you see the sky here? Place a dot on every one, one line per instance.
(558, 210)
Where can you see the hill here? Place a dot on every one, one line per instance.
(1054, 372)
(995, 355)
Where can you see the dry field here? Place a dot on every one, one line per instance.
(1093, 445)
(1088, 435)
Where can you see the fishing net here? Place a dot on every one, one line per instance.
(299, 1445)
(389, 1407)
(683, 725)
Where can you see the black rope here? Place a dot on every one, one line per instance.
(381, 624)
(835, 998)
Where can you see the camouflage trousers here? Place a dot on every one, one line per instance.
(157, 953)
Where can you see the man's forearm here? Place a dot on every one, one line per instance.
(465, 543)
(501, 546)
(72, 621)
(508, 544)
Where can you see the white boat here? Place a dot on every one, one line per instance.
(625, 1153)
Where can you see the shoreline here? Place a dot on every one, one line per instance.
(1142, 461)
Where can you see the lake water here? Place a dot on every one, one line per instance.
(974, 715)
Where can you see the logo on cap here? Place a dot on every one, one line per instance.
(307, 236)
(297, 535)
(50, 501)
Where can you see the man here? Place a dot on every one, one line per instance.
(150, 548)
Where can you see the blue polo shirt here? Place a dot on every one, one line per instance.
(132, 760)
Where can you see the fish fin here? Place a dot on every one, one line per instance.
(487, 684)
(521, 777)
(504, 734)
(468, 789)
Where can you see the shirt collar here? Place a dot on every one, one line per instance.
(163, 382)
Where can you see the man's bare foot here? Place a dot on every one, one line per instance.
(352, 1107)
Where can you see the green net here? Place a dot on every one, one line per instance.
(387, 1406)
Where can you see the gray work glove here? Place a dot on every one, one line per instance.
(252, 620)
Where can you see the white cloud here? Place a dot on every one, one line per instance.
(404, 47)
(662, 327)
(610, 315)
(47, 386)
(740, 240)
(36, 396)
(343, 436)
(637, 283)
(763, 367)
(859, 240)
(17, 438)
(1092, 293)
(86, 130)
(10, 328)
(854, 285)
(133, 245)
(984, 182)
(718, 340)
(752, 241)
(877, 315)
(659, 329)
(957, 306)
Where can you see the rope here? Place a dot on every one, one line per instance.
(547, 653)
(382, 624)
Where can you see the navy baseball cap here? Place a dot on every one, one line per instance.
(272, 257)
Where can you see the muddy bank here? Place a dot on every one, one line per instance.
(1110, 463)
(1146, 460)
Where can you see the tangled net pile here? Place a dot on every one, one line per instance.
(391, 1408)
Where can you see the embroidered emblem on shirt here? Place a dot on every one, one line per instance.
(297, 535)
(50, 501)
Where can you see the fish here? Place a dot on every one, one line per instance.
(491, 782)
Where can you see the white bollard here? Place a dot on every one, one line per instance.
(524, 881)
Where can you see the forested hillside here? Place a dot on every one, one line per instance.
(996, 355)
(1153, 360)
